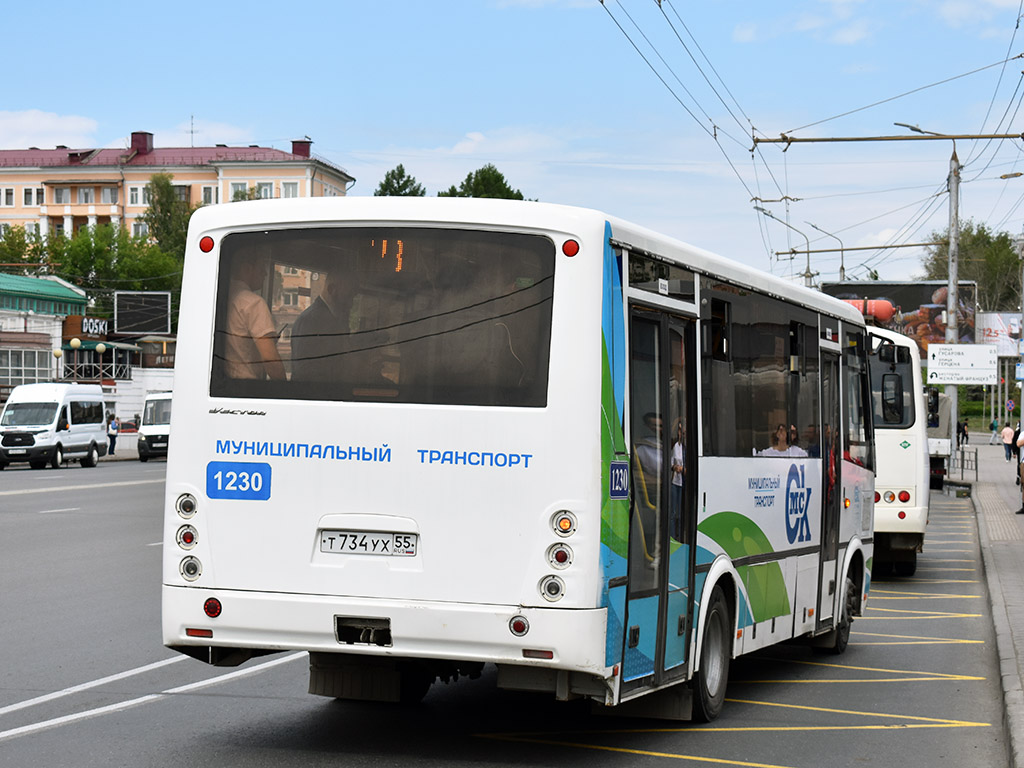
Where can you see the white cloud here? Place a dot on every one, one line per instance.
(35, 128)
(851, 33)
(744, 33)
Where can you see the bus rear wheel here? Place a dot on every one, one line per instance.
(716, 650)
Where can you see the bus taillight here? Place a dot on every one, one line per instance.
(890, 497)
(519, 626)
(904, 496)
(552, 588)
(564, 523)
(878, 497)
(212, 607)
(560, 556)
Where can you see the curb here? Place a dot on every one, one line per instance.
(1009, 672)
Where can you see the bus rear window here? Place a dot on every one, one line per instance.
(384, 314)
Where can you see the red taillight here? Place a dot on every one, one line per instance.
(519, 626)
(878, 497)
(206, 244)
(901, 515)
(529, 653)
(904, 496)
(570, 247)
(212, 607)
(190, 632)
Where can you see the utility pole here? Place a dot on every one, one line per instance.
(952, 304)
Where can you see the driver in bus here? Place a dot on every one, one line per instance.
(251, 345)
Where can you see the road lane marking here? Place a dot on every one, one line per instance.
(149, 698)
(914, 640)
(54, 511)
(93, 684)
(627, 751)
(92, 486)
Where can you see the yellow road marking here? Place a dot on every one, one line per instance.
(914, 615)
(918, 640)
(626, 751)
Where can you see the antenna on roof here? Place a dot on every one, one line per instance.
(192, 130)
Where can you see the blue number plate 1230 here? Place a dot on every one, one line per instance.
(238, 480)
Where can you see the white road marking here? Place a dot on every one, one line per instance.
(58, 721)
(93, 486)
(52, 511)
(92, 684)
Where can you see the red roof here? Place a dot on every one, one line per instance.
(64, 157)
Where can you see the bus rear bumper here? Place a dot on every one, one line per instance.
(570, 639)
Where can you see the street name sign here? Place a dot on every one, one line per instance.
(963, 364)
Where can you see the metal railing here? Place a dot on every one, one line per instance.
(95, 371)
(964, 460)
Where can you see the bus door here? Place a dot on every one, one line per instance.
(663, 515)
(831, 466)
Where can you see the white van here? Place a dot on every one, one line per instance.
(52, 423)
(155, 429)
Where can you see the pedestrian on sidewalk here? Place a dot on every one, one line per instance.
(994, 426)
(1008, 446)
(112, 429)
(967, 434)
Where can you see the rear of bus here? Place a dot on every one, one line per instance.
(901, 446)
(420, 493)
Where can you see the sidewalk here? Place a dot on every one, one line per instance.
(996, 498)
(126, 448)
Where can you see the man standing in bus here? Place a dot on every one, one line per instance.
(319, 333)
(250, 349)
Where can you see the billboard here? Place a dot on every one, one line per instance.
(1001, 329)
(141, 312)
(920, 307)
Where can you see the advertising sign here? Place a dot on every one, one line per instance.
(920, 307)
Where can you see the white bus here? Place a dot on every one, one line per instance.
(901, 451)
(496, 432)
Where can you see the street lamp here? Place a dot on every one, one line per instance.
(807, 274)
(842, 266)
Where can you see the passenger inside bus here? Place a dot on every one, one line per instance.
(250, 346)
(780, 444)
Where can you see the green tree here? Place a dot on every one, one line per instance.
(17, 247)
(397, 184)
(168, 215)
(986, 257)
(484, 182)
(105, 259)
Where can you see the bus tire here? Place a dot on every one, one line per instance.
(58, 457)
(716, 649)
(840, 636)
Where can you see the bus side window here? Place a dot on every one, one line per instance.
(892, 398)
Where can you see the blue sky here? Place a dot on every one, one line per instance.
(555, 95)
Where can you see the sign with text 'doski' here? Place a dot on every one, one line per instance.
(963, 364)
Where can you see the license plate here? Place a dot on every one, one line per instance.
(369, 543)
(159, 445)
(17, 451)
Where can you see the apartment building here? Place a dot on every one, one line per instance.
(61, 190)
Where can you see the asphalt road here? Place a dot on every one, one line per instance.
(85, 681)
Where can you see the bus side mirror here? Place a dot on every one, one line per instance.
(63, 425)
(933, 401)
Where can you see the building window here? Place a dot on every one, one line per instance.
(62, 195)
(265, 190)
(25, 366)
(140, 229)
(31, 228)
(7, 197)
(289, 189)
(239, 190)
(86, 195)
(146, 195)
(183, 192)
(211, 195)
(108, 195)
(133, 195)
(33, 197)
(4, 229)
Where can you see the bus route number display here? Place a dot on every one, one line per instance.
(238, 480)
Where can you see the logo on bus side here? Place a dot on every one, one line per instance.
(798, 504)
